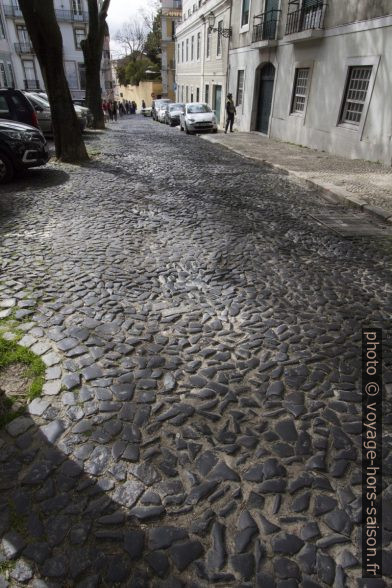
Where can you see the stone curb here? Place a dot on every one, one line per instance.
(329, 191)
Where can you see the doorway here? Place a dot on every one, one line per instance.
(266, 89)
(217, 102)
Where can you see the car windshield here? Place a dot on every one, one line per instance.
(196, 108)
(39, 100)
(177, 107)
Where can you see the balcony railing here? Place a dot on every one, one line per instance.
(63, 15)
(305, 19)
(71, 16)
(26, 47)
(266, 29)
(13, 11)
(31, 84)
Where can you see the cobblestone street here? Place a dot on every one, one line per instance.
(201, 417)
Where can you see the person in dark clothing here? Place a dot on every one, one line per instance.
(143, 105)
(230, 112)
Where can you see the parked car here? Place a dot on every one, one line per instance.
(42, 108)
(21, 147)
(156, 104)
(86, 112)
(146, 111)
(198, 117)
(172, 113)
(15, 106)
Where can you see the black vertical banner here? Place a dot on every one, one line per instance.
(371, 453)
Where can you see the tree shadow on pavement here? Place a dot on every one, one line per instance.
(36, 178)
(58, 521)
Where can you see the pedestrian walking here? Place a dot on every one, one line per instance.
(110, 110)
(230, 113)
(115, 110)
(121, 109)
(143, 105)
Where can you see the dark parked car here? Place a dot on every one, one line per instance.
(172, 113)
(21, 147)
(15, 106)
(156, 104)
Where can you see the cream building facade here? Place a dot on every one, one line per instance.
(315, 73)
(19, 66)
(171, 16)
(202, 54)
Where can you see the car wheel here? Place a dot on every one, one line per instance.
(181, 127)
(215, 131)
(6, 169)
(187, 130)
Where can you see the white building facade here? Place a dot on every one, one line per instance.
(202, 54)
(19, 66)
(315, 73)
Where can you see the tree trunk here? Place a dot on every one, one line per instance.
(92, 50)
(46, 38)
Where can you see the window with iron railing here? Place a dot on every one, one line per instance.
(304, 15)
(300, 90)
(265, 26)
(240, 87)
(357, 86)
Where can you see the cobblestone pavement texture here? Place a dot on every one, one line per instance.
(367, 182)
(200, 421)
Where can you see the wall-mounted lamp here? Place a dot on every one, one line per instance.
(211, 29)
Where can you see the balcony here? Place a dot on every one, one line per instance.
(265, 31)
(68, 15)
(12, 11)
(306, 23)
(22, 48)
(31, 84)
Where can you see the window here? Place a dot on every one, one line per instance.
(240, 87)
(208, 47)
(3, 76)
(182, 51)
(198, 46)
(197, 94)
(192, 94)
(80, 35)
(245, 13)
(207, 94)
(11, 77)
(77, 7)
(71, 74)
(182, 93)
(23, 35)
(300, 90)
(178, 52)
(173, 29)
(192, 48)
(355, 94)
(219, 39)
(2, 29)
(29, 69)
(187, 49)
(4, 108)
(186, 93)
(194, 8)
(82, 76)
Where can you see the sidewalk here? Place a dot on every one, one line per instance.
(362, 184)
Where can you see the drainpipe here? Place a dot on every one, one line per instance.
(228, 64)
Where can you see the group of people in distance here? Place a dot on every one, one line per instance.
(113, 108)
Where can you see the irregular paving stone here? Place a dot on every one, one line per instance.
(286, 543)
(146, 513)
(216, 556)
(19, 426)
(128, 493)
(159, 562)
(22, 572)
(244, 565)
(12, 544)
(164, 537)
(185, 553)
(134, 543)
(52, 431)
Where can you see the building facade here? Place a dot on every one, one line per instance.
(202, 53)
(171, 16)
(315, 73)
(19, 66)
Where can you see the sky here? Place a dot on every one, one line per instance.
(121, 11)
